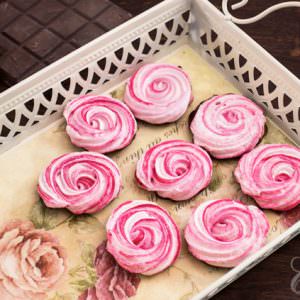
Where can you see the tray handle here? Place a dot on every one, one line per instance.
(258, 17)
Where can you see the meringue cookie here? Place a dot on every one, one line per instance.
(98, 123)
(174, 169)
(142, 237)
(271, 175)
(228, 125)
(82, 182)
(158, 93)
(224, 232)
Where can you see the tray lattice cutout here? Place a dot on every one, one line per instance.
(96, 74)
(264, 89)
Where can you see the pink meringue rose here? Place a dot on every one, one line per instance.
(224, 232)
(142, 237)
(31, 262)
(99, 123)
(82, 182)
(158, 93)
(175, 169)
(228, 126)
(271, 175)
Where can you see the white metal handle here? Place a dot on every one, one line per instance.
(258, 17)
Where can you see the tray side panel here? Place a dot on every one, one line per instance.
(189, 275)
(248, 65)
(36, 102)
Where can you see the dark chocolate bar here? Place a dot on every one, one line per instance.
(36, 33)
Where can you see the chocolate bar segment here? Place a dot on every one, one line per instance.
(35, 33)
(67, 23)
(91, 8)
(59, 52)
(43, 43)
(46, 10)
(86, 34)
(15, 63)
(113, 17)
(7, 13)
(24, 5)
(21, 29)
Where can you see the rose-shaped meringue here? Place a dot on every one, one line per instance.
(82, 182)
(142, 237)
(31, 262)
(224, 232)
(158, 93)
(228, 126)
(271, 175)
(99, 123)
(175, 169)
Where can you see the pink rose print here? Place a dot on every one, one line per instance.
(31, 261)
(290, 217)
(113, 283)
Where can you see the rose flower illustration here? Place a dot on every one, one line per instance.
(31, 261)
(114, 282)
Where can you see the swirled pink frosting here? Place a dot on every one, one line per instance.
(82, 182)
(174, 169)
(99, 123)
(228, 125)
(142, 237)
(158, 93)
(224, 232)
(271, 175)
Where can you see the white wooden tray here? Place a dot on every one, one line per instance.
(35, 103)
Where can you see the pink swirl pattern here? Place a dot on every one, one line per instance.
(228, 125)
(82, 182)
(158, 93)
(98, 123)
(271, 175)
(224, 232)
(142, 237)
(175, 169)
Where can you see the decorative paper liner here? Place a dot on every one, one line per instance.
(80, 235)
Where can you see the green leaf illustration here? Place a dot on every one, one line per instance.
(87, 254)
(91, 273)
(84, 224)
(48, 218)
(77, 271)
(81, 285)
(118, 93)
(273, 135)
(58, 296)
(216, 180)
(84, 275)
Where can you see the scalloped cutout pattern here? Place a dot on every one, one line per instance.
(99, 72)
(264, 89)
